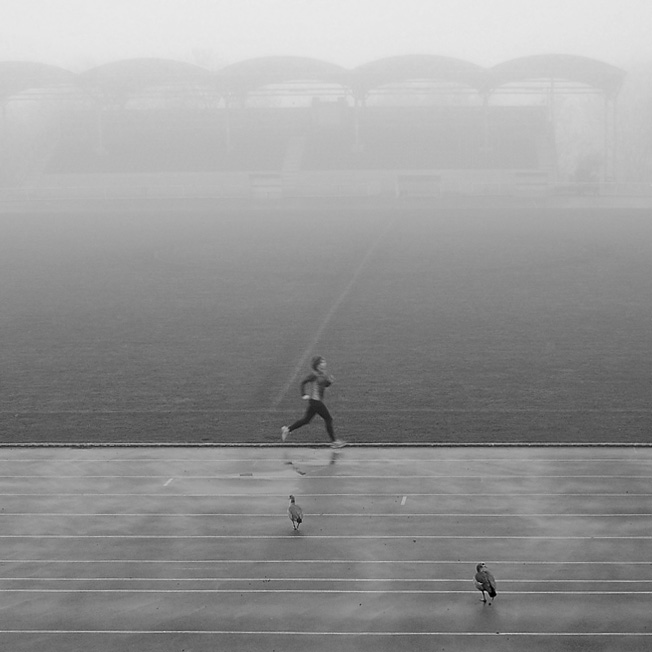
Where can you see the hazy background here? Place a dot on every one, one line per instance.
(79, 34)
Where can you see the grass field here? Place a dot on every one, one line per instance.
(452, 326)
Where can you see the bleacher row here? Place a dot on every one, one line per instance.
(276, 139)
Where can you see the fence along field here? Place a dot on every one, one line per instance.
(453, 326)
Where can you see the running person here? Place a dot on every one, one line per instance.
(318, 380)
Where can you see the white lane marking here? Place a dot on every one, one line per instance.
(254, 494)
(403, 500)
(345, 591)
(429, 562)
(490, 515)
(325, 536)
(278, 580)
(286, 633)
(507, 410)
(273, 475)
(168, 482)
(362, 461)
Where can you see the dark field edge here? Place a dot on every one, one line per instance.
(353, 445)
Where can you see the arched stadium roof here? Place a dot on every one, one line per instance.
(122, 78)
(583, 70)
(251, 74)
(407, 68)
(19, 76)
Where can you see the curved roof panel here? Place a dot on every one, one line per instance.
(19, 76)
(120, 79)
(124, 78)
(251, 74)
(584, 70)
(406, 68)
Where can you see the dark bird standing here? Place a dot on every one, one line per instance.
(295, 513)
(485, 582)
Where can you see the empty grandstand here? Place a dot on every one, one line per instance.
(291, 126)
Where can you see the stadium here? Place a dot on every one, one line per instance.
(420, 125)
(178, 242)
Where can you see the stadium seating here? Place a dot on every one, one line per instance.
(259, 139)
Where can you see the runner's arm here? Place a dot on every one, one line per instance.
(306, 381)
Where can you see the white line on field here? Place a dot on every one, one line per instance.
(168, 482)
(309, 350)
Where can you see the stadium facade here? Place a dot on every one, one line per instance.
(418, 125)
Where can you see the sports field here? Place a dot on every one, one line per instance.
(509, 324)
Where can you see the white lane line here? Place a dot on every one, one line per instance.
(317, 580)
(485, 410)
(304, 633)
(323, 591)
(273, 475)
(425, 410)
(327, 536)
(398, 562)
(362, 461)
(166, 484)
(403, 500)
(401, 515)
(310, 348)
(253, 494)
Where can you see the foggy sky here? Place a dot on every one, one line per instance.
(79, 34)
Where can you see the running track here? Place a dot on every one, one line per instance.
(158, 549)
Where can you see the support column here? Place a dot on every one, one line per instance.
(610, 140)
(358, 108)
(486, 147)
(552, 118)
(100, 147)
(227, 122)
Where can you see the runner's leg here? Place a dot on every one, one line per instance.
(311, 410)
(323, 412)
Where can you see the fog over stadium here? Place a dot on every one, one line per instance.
(79, 34)
(390, 260)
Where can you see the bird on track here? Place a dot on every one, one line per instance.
(485, 582)
(295, 513)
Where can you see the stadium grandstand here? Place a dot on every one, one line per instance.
(417, 125)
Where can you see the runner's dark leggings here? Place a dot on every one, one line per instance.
(316, 407)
